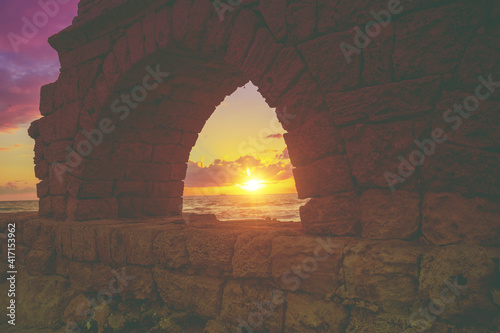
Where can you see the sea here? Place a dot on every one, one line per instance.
(282, 207)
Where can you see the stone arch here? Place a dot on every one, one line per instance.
(137, 159)
(347, 121)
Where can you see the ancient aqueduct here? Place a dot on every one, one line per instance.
(392, 253)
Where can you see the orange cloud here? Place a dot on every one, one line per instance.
(228, 173)
(275, 136)
(10, 148)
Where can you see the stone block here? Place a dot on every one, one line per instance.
(87, 73)
(83, 189)
(58, 184)
(160, 136)
(122, 53)
(66, 87)
(62, 266)
(433, 41)
(332, 215)
(261, 55)
(162, 206)
(170, 153)
(39, 149)
(54, 292)
(242, 36)
(477, 129)
(111, 69)
(199, 294)
(327, 63)
(117, 246)
(374, 149)
(315, 139)
(308, 314)
(61, 124)
(450, 218)
(31, 232)
(42, 188)
(480, 58)
(132, 152)
(136, 42)
(252, 253)
(299, 103)
(80, 275)
(307, 263)
(249, 304)
(45, 206)
(462, 168)
(286, 68)
(460, 279)
(274, 14)
(143, 171)
(384, 102)
(130, 207)
(199, 14)
(169, 249)
(139, 245)
(168, 189)
(382, 272)
(300, 21)
(83, 242)
(40, 262)
(324, 177)
(148, 33)
(180, 14)
(43, 234)
(388, 215)
(42, 169)
(163, 27)
(137, 283)
(218, 33)
(91, 209)
(377, 58)
(47, 99)
(211, 249)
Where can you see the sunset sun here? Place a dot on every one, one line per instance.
(252, 185)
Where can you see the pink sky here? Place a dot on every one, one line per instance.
(35, 64)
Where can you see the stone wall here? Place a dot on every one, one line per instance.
(353, 111)
(203, 275)
(415, 247)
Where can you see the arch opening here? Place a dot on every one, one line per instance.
(152, 119)
(240, 167)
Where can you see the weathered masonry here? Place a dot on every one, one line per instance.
(393, 130)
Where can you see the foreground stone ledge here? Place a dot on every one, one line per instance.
(217, 275)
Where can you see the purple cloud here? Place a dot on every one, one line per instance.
(27, 61)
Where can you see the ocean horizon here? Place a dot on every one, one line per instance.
(282, 207)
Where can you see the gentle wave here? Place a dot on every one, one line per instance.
(283, 207)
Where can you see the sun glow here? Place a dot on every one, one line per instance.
(252, 185)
